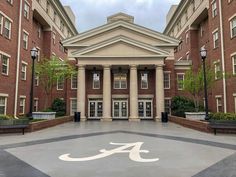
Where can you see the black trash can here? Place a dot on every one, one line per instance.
(164, 117)
(77, 117)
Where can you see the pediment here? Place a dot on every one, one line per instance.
(121, 46)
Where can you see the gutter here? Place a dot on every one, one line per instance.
(222, 55)
(18, 59)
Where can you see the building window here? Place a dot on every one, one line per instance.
(216, 39)
(234, 63)
(144, 80)
(60, 84)
(235, 104)
(38, 57)
(47, 7)
(36, 79)
(193, 5)
(26, 10)
(120, 81)
(39, 31)
(3, 105)
(5, 64)
(54, 38)
(1, 23)
(180, 81)
(74, 81)
(233, 27)
(62, 26)
(73, 106)
(23, 71)
(36, 104)
(166, 80)
(217, 70)
(54, 16)
(168, 105)
(7, 29)
(214, 9)
(96, 80)
(22, 106)
(219, 107)
(10, 1)
(25, 40)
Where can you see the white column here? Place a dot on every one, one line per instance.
(159, 91)
(81, 92)
(133, 94)
(106, 93)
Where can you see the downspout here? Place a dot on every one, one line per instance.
(18, 59)
(223, 55)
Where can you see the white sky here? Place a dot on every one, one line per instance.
(93, 13)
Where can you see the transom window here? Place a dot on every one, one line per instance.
(166, 80)
(216, 39)
(5, 64)
(180, 81)
(3, 105)
(120, 81)
(233, 27)
(96, 80)
(144, 80)
(74, 81)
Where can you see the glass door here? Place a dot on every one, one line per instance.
(120, 109)
(95, 109)
(145, 109)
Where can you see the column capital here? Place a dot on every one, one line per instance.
(160, 66)
(133, 66)
(81, 66)
(106, 66)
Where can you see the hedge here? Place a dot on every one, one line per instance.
(223, 116)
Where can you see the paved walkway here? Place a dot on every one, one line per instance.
(124, 149)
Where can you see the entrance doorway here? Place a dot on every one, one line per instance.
(95, 109)
(120, 109)
(145, 109)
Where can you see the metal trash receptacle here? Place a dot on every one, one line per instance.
(77, 117)
(164, 117)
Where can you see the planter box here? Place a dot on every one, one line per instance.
(44, 115)
(195, 115)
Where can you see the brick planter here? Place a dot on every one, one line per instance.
(193, 124)
(35, 126)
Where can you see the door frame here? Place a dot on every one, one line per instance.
(144, 106)
(120, 108)
(96, 102)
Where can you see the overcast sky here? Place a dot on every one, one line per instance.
(93, 13)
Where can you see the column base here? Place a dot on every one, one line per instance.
(106, 119)
(134, 119)
(157, 119)
(83, 119)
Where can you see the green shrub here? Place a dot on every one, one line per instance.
(48, 110)
(59, 106)
(223, 116)
(5, 117)
(180, 105)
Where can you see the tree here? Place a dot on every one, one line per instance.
(194, 84)
(50, 71)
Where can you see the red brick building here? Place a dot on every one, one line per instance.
(209, 24)
(25, 24)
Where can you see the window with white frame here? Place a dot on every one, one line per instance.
(217, 70)
(23, 71)
(36, 79)
(1, 23)
(3, 105)
(214, 9)
(166, 80)
(144, 80)
(234, 103)
(168, 105)
(5, 64)
(10, 1)
(73, 106)
(219, 107)
(26, 10)
(54, 16)
(96, 80)
(22, 105)
(38, 56)
(39, 31)
(60, 83)
(48, 7)
(120, 81)
(234, 63)
(36, 104)
(216, 39)
(233, 27)
(7, 28)
(180, 81)
(54, 38)
(25, 40)
(74, 81)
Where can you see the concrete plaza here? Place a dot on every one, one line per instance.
(119, 148)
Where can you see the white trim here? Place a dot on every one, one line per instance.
(23, 62)
(218, 96)
(4, 95)
(233, 63)
(3, 53)
(147, 96)
(231, 25)
(100, 96)
(234, 15)
(8, 18)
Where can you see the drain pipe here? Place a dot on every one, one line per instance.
(18, 59)
(223, 55)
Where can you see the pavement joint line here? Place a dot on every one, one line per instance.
(175, 138)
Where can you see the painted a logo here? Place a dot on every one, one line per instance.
(134, 153)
